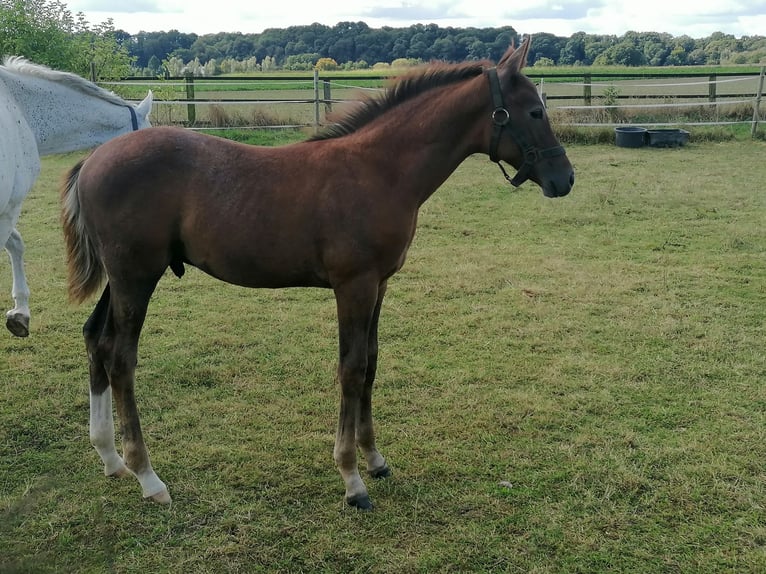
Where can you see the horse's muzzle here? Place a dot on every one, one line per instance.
(558, 186)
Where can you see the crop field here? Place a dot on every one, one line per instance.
(571, 385)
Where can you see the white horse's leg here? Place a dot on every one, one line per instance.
(102, 433)
(17, 319)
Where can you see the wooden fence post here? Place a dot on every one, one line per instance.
(191, 109)
(757, 103)
(586, 92)
(711, 88)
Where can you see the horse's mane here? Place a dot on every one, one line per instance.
(22, 66)
(403, 89)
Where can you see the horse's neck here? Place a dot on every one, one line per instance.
(62, 118)
(431, 136)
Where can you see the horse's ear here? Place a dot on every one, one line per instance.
(515, 58)
(145, 106)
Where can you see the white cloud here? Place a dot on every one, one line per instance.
(738, 17)
(117, 6)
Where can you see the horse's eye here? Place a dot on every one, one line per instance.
(537, 113)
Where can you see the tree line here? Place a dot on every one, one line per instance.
(356, 45)
(45, 31)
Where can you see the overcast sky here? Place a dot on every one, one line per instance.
(695, 18)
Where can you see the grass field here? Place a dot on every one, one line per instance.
(571, 385)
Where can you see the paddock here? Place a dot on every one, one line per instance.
(569, 385)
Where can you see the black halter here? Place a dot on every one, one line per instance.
(133, 117)
(501, 119)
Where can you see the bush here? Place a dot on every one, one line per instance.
(406, 63)
(324, 64)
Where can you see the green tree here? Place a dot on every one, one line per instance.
(677, 57)
(97, 50)
(154, 66)
(546, 46)
(211, 67)
(445, 49)
(595, 45)
(39, 30)
(301, 61)
(174, 66)
(478, 50)
(45, 32)
(573, 52)
(623, 54)
(268, 64)
(656, 52)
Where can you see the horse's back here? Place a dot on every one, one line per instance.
(172, 171)
(146, 154)
(177, 196)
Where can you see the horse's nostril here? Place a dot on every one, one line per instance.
(571, 179)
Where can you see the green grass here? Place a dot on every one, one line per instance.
(564, 386)
(269, 137)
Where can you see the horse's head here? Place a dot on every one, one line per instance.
(521, 132)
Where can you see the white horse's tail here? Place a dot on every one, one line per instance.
(85, 270)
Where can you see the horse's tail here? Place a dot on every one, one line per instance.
(85, 270)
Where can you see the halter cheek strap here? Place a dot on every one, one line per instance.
(501, 119)
(133, 117)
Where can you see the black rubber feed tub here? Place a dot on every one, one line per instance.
(667, 137)
(630, 136)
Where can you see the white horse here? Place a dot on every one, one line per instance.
(42, 112)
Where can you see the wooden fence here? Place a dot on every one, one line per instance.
(306, 101)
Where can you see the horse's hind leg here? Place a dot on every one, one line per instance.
(365, 433)
(128, 311)
(115, 348)
(17, 319)
(101, 417)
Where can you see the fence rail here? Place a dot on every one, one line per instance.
(308, 101)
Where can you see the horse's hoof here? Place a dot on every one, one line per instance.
(162, 497)
(119, 473)
(360, 502)
(382, 472)
(17, 324)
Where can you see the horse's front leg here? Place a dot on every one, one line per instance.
(356, 303)
(17, 319)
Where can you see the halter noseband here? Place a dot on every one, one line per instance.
(501, 119)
